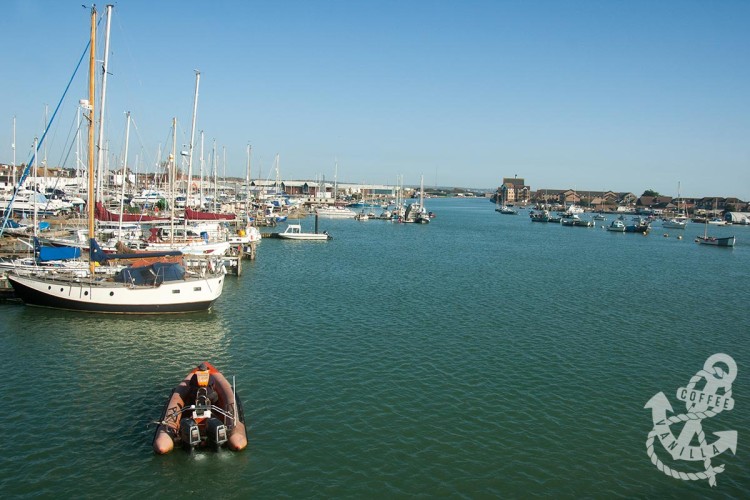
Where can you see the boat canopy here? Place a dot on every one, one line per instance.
(46, 254)
(154, 274)
(96, 254)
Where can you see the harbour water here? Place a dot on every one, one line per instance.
(481, 355)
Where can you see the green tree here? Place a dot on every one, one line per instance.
(651, 192)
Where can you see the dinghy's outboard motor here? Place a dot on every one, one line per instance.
(216, 432)
(189, 433)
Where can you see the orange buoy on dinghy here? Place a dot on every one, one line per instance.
(202, 411)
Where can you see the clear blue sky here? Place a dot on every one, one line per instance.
(621, 95)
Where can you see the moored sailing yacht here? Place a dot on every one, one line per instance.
(157, 284)
(679, 221)
(416, 211)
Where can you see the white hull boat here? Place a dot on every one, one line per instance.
(294, 232)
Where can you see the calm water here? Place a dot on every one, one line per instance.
(480, 355)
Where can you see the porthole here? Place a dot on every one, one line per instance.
(111, 293)
(85, 293)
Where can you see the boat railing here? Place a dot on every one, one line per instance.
(172, 417)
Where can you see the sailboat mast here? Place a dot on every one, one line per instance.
(13, 145)
(200, 202)
(421, 192)
(247, 184)
(92, 97)
(277, 184)
(335, 181)
(189, 186)
(100, 140)
(192, 139)
(44, 160)
(79, 172)
(172, 176)
(216, 177)
(124, 176)
(36, 213)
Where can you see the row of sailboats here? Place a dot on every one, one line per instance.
(156, 282)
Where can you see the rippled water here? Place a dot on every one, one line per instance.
(480, 355)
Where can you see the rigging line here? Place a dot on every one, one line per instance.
(140, 139)
(61, 162)
(165, 151)
(26, 171)
(138, 135)
(126, 43)
(67, 155)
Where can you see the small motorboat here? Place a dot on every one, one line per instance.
(294, 232)
(617, 226)
(203, 411)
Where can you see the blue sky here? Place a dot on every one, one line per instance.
(620, 95)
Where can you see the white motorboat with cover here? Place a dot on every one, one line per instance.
(294, 232)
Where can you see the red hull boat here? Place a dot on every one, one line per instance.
(203, 411)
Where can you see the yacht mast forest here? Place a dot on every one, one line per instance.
(153, 283)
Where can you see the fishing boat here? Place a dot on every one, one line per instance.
(539, 216)
(616, 226)
(674, 223)
(362, 216)
(203, 411)
(575, 221)
(639, 225)
(294, 232)
(725, 241)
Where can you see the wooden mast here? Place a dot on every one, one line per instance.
(92, 97)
